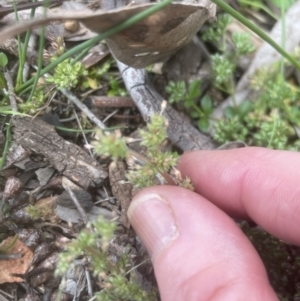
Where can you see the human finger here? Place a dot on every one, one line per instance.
(256, 183)
(198, 252)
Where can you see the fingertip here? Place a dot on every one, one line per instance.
(152, 217)
(256, 183)
(196, 249)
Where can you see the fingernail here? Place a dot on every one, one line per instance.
(152, 218)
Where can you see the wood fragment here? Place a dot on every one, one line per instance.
(83, 108)
(67, 158)
(111, 101)
(121, 189)
(83, 214)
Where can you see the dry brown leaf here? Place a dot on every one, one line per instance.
(144, 43)
(5, 10)
(14, 266)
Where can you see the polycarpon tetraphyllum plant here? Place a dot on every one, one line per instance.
(154, 168)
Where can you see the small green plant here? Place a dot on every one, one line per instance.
(34, 212)
(66, 74)
(98, 232)
(223, 70)
(156, 162)
(242, 43)
(273, 134)
(177, 91)
(271, 120)
(95, 75)
(216, 32)
(188, 95)
(37, 101)
(241, 111)
(224, 65)
(115, 89)
(110, 145)
(114, 282)
(230, 130)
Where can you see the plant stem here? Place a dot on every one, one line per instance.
(164, 174)
(256, 30)
(259, 6)
(198, 110)
(283, 35)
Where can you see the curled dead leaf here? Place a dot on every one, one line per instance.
(144, 43)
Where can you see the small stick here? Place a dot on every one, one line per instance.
(83, 134)
(11, 256)
(111, 102)
(89, 282)
(83, 214)
(83, 108)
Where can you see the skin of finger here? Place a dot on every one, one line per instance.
(209, 258)
(255, 183)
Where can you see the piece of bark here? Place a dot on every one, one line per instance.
(121, 189)
(70, 160)
(13, 187)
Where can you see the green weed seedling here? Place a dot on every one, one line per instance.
(114, 280)
(216, 32)
(273, 116)
(66, 74)
(180, 92)
(155, 162)
(223, 64)
(271, 120)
